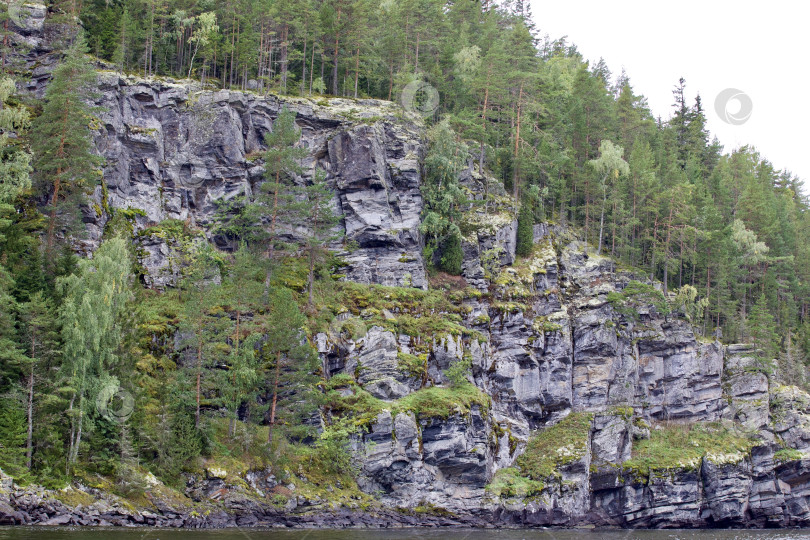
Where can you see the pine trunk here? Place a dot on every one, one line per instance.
(199, 384)
(275, 400)
(29, 446)
(335, 55)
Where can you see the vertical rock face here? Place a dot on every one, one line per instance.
(173, 152)
(555, 343)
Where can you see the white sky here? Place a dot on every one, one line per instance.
(757, 47)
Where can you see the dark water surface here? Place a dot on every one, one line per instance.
(32, 533)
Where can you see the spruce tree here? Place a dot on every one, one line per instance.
(525, 231)
(762, 331)
(39, 335)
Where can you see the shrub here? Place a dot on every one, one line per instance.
(452, 255)
(525, 231)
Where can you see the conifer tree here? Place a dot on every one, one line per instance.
(525, 231)
(287, 350)
(40, 339)
(61, 137)
(762, 331)
(242, 293)
(281, 161)
(203, 321)
(322, 221)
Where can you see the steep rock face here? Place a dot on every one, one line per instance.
(177, 152)
(428, 462)
(546, 341)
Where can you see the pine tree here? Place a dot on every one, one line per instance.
(40, 339)
(280, 163)
(322, 220)
(286, 348)
(242, 293)
(61, 137)
(202, 320)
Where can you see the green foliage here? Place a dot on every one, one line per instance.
(62, 138)
(787, 454)
(413, 312)
(281, 162)
(459, 372)
(451, 255)
(444, 196)
(525, 231)
(555, 446)
(635, 295)
(14, 158)
(434, 402)
(442, 402)
(509, 483)
(95, 303)
(683, 446)
(12, 437)
(179, 446)
(687, 302)
(413, 365)
(762, 331)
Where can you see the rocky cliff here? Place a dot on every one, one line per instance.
(551, 339)
(586, 400)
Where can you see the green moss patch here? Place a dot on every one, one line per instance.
(684, 446)
(787, 454)
(508, 483)
(442, 402)
(402, 310)
(556, 446)
(433, 402)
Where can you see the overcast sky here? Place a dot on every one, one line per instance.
(757, 47)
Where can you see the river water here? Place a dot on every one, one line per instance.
(32, 533)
